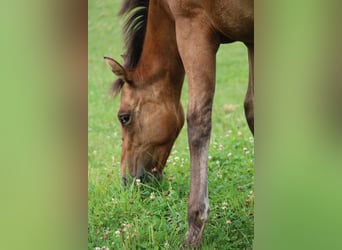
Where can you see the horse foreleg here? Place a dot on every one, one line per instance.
(249, 98)
(197, 46)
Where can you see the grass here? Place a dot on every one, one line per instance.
(154, 216)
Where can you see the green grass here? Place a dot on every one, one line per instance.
(154, 216)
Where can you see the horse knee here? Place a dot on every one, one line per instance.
(199, 126)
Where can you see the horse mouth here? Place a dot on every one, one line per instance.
(146, 167)
(148, 172)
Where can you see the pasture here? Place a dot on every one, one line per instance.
(154, 216)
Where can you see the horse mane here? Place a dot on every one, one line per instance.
(134, 30)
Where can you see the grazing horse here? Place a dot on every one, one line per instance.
(166, 39)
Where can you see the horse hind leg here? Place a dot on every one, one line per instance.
(249, 98)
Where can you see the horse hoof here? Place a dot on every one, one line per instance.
(193, 238)
(191, 244)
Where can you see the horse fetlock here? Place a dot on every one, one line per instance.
(204, 215)
(198, 214)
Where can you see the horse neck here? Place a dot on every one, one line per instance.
(160, 64)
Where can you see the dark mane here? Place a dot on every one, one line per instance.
(134, 29)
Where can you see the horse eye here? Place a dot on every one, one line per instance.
(124, 119)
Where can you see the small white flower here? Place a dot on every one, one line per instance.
(224, 205)
(152, 196)
(219, 174)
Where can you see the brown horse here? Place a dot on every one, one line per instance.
(165, 40)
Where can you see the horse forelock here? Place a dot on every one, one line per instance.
(134, 29)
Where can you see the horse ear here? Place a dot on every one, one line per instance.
(118, 69)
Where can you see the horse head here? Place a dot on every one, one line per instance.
(150, 122)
